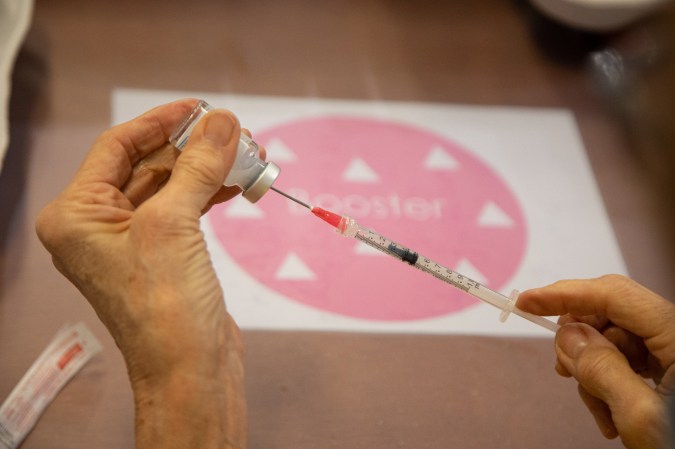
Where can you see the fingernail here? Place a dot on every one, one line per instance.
(572, 340)
(218, 127)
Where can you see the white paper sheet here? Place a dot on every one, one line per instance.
(503, 195)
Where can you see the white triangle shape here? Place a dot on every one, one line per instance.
(294, 269)
(493, 215)
(239, 207)
(359, 171)
(278, 151)
(366, 250)
(439, 159)
(466, 268)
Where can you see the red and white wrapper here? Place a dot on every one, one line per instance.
(71, 348)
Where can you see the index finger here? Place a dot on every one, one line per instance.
(115, 152)
(623, 301)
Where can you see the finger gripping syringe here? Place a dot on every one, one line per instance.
(348, 227)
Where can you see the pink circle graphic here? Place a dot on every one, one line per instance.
(413, 186)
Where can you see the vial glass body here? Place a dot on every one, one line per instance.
(253, 175)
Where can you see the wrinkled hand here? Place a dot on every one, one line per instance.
(614, 333)
(128, 236)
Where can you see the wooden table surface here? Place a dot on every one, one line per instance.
(308, 389)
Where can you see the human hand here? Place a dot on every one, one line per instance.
(128, 237)
(614, 333)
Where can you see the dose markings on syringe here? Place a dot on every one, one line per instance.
(380, 243)
(445, 274)
(375, 240)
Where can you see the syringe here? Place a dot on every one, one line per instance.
(348, 227)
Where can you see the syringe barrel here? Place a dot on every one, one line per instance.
(348, 227)
(489, 296)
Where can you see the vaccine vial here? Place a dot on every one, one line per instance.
(253, 175)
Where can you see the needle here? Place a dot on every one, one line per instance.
(291, 198)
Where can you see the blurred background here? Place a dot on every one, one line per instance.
(611, 63)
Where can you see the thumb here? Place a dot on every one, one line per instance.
(201, 169)
(603, 372)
